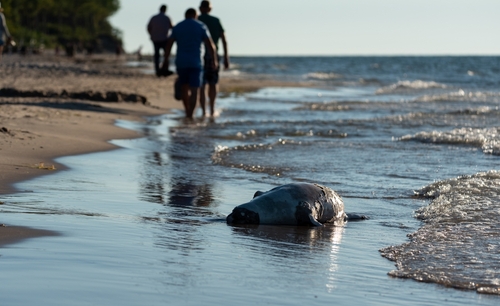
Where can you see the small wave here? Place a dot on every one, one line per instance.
(266, 130)
(228, 157)
(487, 139)
(231, 73)
(462, 198)
(484, 110)
(322, 76)
(405, 86)
(458, 246)
(368, 81)
(462, 95)
(331, 107)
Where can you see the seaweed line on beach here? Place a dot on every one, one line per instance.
(109, 96)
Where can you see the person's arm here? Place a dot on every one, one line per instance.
(149, 27)
(4, 26)
(168, 48)
(226, 54)
(210, 46)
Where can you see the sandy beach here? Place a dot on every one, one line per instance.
(47, 110)
(145, 222)
(34, 130)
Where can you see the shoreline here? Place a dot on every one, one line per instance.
(34, 131)
(16, 234)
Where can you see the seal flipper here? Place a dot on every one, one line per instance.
(258, 194)
(303, 215)
(314, 221)
(355, 217)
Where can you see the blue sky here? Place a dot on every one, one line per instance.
(335, 27)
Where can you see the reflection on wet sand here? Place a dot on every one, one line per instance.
(181, 178)
(301, 245)
(153, 179)
(296, 238)
(185, 193)
(178, 177)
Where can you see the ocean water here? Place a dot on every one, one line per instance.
(411, 142)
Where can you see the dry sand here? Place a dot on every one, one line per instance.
(47, 124)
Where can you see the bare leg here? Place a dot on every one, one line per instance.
(192, 100)
(203, 99)
(189, 98)
(185, 98)
(212, 94)
(157, 58)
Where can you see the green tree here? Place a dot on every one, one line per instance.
(81, 23)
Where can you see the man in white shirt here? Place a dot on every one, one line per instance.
(4, 31)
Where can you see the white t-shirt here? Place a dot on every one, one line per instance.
(3, 27)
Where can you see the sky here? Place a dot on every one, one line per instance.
(333, 27)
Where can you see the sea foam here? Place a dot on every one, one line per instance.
(458, 246)
(322, 76)
(462, 95)
(487, 139)
(405, 86)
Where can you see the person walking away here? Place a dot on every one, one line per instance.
(158, 28)
(210, 75)
(5, 37)
(190, 34)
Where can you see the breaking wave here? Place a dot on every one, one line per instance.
(488, 139)
(459, 244)
(322, 76)
(257, 158)
(331, 107)
(406, 86)
(462, 95)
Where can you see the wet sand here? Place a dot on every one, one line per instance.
(46, 119)
(14, 234)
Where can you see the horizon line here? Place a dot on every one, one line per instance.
(360, 55)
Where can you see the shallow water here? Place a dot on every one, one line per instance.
(145, 223)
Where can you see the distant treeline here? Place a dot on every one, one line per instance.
(70, 24)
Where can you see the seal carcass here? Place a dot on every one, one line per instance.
(291, 204)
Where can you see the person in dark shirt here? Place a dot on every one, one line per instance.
(158, 28)
(210, 75)
(190, 34)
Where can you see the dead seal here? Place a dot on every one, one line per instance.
(293, 204)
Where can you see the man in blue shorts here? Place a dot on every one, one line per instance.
(190, 34)
(211, 76)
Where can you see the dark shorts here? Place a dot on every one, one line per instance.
(160, 45)
(191, 76)
(1, 42)
(210, 75)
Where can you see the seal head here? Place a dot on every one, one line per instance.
(291, 204)
(241, 215)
